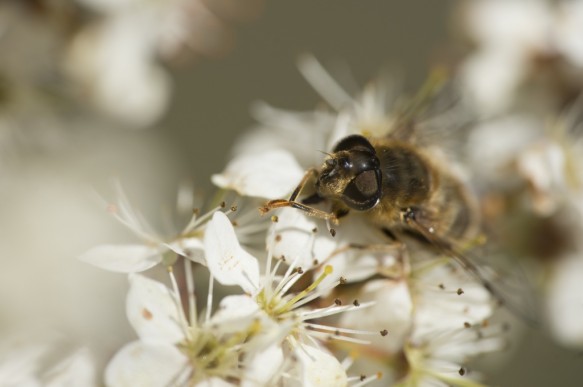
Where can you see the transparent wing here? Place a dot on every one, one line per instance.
(503, 277)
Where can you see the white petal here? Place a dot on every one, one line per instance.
(319, 368)
(191, 248)
(226, 259)
(569, 31)
(263, 366)
(393, 311)
(152, 311)
(509, 23)
(145, 365)
(214, 382)
(123, 258)
(272, 174)
(565, 303)
(77, 370)
(107, 6)
(113, 61)
(494, 93)
(235, 313)
(297, 240)
(438, 305)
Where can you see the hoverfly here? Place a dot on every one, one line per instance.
(400, 187)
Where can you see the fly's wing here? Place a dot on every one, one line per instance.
(434, 117)
(504, 278)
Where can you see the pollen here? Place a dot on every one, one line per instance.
(147, 314)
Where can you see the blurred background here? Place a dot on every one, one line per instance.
(69, 127)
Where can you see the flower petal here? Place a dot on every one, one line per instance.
(226, 259)
(296, 239)
(319, 368)
(191, 248)
(76, 370)
(271, 175)
(235, 313)
(565, 303)
(145, 365)
(393, 311)
(123, 258)
(214, 382)
(263, 367)
(152, 311)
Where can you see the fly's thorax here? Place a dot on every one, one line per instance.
(408, 176)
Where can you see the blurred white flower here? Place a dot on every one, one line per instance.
(139, 257)
(516, 40)
(113, 65)
(115, 61)
(565, 300)
(39, 361)
(532, 195)
(437, 358)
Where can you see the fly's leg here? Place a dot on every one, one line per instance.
(291, 202)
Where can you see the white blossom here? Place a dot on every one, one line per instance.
(131, 258)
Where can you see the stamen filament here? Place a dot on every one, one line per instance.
(190, 290)
(331, 310)
(341, 330)
(176, 296)
(327, 271)
(209, 300)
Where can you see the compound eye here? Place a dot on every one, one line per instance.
(344, 163)
(364, 191)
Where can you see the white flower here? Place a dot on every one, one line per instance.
(37, 361)
(171, 350)
(132, 258)
(565, 301)
(113, 66)
(272, 298)
(437, 359)
(114, 60)
(514, 40)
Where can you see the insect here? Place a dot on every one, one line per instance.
(402, 189)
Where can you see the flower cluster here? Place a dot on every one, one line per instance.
(524, 78)
(315, 308)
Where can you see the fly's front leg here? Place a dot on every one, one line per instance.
(291, 202)
(310, 211)
(312, 172)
